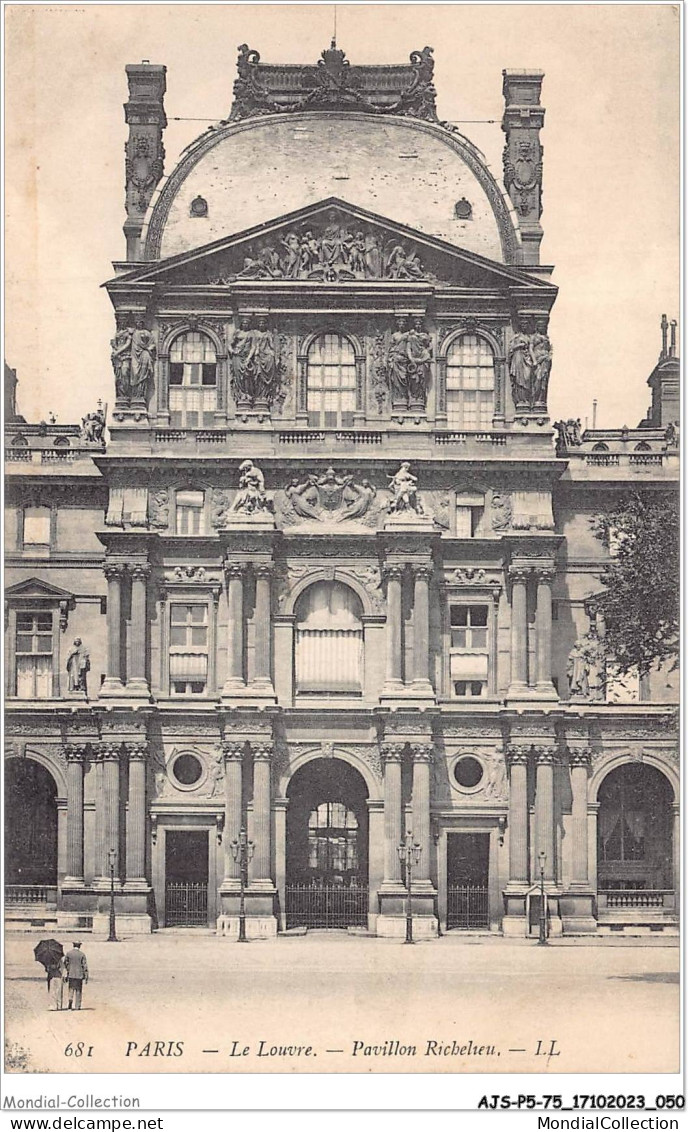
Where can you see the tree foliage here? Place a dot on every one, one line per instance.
(640, 602)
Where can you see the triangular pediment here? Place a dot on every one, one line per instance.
(38, 590)
(333, 242)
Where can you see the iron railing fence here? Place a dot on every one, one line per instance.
(186, 904)
(326, 905)
(31, 894)
(467, 907)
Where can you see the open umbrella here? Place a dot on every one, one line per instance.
(48, 952)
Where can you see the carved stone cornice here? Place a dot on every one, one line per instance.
(137, 752)
(233, 751)
(519, 754)
(107, 752)
(391, 752)
(581, 756)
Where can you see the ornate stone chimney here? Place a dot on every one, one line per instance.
(144, 113)
(523, 119)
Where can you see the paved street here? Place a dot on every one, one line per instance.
(471, 1004)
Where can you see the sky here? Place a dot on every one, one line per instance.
(611, 163)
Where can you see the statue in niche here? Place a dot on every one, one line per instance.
(419, 352)
(78, 664)
(120, 356)
(501, 511)
(397, 369)
(586, 668)
(541, 361)
(241, 350)
(520, 370)
(404, 488)
(251, 496)
(143, 353)
(530, 365)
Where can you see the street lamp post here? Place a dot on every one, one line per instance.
(542, 857)
(409, 854)
(242, 851)
(112, 857)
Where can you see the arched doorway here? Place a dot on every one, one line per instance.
(327, 846)
(634, 837)
(30, 830)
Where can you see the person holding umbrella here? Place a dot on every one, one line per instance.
(49, 952)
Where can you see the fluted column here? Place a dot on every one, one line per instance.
(579, 762)
(519, 629)
(518, 814)
(263, 619)
(393, 575)
(391, 759)
(110, 755)
(137, 681)
(235, 573)
(422, 759)
(544, 809)
(543, 620)
(421, 623)
(260, 865)
(136, 815)
(234, 757)
(112, 685)
(75, 814)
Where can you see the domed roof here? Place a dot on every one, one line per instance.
(298, 135)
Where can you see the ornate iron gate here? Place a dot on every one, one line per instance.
(467, 907)
(186, 904)
(326, 906)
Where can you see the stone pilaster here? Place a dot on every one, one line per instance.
(422, 761)
(260, 865)
(545, 758)
(234, 759)
(144, 113)
(112, 685)
(519, 631)
(543, 618)
(577, 903)
(75, 755)
(235, 573)
(137, 681)
(109, 754)
(514, 922)
(393, 682)
(262, 681)
(523, 119)
(422, 572)
(136, 816)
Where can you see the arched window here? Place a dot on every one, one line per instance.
(470, 383)
(333, 841)
(635, 829)
(600, 447)
(331, 382)
(329, 640)
(192, 381)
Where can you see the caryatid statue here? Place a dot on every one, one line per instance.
(530, 363)
(143, 354)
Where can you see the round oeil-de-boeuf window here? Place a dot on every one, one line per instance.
(468, 772)
(187, 769)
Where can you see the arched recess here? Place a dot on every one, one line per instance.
(327, 824)
(339, 574)
(605, 767)
(372, 781)
(34, 787)
(637, 828)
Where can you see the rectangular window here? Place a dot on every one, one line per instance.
(34, 655)
(188, 648)
(36, 526)
(189, 512)
(468, 650)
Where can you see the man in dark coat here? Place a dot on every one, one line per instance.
(77, 974)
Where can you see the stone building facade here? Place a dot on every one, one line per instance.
(327, 581)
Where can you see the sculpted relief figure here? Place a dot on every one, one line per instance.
(251, 496)
(256, 375)
(404, 488)
(78, 664)
(304, 497)
(407, 363)
(93, 426)
(419, 352)
(530, 364)
(568, 434)
(586, 668)
(330, 497)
